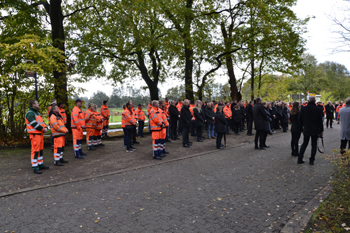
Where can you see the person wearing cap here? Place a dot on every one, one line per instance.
(59, 131)
(141, 119)
(36, 127)
(106, 114)
(98, 128)
(78, 124)
(64, 118)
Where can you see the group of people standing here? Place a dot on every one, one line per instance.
(95, 123)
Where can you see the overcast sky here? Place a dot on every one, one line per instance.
(321, 41)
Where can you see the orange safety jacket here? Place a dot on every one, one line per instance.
(164, 117)
(57, 126)
(155, 119)
(179, 106)
(77, 118)
(63, 115)
(90, 119)
(227, 112)
(338, 108)
(191, 110)
(105, 112)
(216, 105)
(99, 122)
(128, 118)
(166, 109)
(149, 107)
(34, 122)
(48, 112)
(140, 114)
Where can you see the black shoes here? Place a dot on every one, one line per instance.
(266, 146)
(136, 142)
(300, 162)
(311, 162)
(165, 152)
(38, 172)
(168, 140)
(236, 133)
(199, 140)
(63, 161)
(101, 144)
(256, 148)
(186, 145)
(91, 148)
(157, 157)
(132, 148)
(43, 167)
(57, 163)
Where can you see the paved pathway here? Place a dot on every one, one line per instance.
(234, 190)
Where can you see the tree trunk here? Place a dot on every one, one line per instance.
(252, 81)
(58, 38)
(235, 95)
(188, 71)
(152, 85)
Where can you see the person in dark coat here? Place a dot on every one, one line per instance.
(236, 118)
(344, 114)
(329, 114)
(242, 126)
(249, 116)
(174, 117)
(284, 117)
(260, 118)
(296, 128)
(220, 126)
(311, 122)
(186, 117)
(210, 117)
(267, 123)
(200, 120)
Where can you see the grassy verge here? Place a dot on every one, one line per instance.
(333, 215)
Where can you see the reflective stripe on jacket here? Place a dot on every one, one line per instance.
(105, 112)
(128, 118)
(140, 115)
(77, 118)
(63, 115)
(155, 119)
(57, 126)
(90, 119)
(34, 122)
(99, 123)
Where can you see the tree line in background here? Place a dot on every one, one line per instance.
(155, 40)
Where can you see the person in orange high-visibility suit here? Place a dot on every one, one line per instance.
(78, 124)
(59, 131)
(179, 107)
(337, 110)
(149, 107)
(157, 125)
(193, 120)
(128, 123)
(36, 127)
(228, 116)
(135, 116)
(90, 123)
(141, 119)
(53, 101)
(106, 114)
(163, 132)
(98, 127)
(64, 118)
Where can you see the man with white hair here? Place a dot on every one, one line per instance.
(310, 120)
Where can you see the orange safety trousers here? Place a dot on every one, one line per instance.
(90, 136)
(97, 136)
(37, 141)
(105, 127)
(59, 143)
(77, 137)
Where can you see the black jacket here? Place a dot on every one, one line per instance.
(311, 119)
(209, 114)
(259, 116)
(199, 115)
(249, 112)
(237, 115)
(220, 122)
(186, 116)
(174, 113)
(329, 111)
(273, 112)
(296, 127)
(284, 118)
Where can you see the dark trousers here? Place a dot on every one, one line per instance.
(193, 128)
(242, 124)
(185, 138)
(330, 120)
(284, 126)
(236, 127)
(305, 144)
(227, 125)
(250, 126)
(343, 145)
(134, 133)
(276, 124)
(180, 127)
(265, 137)
(199, 131)
(218, 140)
(259, 137)
(128, 137)
(173, 129)
(295, 143)
(141, 126)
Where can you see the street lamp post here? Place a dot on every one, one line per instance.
(34, 75)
